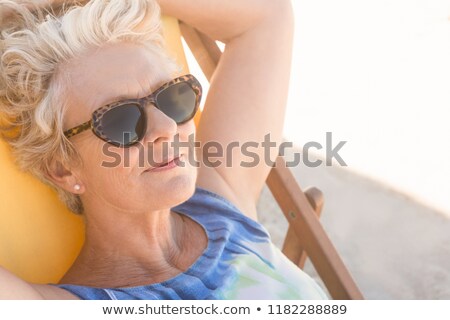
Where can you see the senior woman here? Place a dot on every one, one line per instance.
(95, 81)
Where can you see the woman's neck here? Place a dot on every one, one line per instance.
(124, 250)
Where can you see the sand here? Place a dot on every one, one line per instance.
(394, 247)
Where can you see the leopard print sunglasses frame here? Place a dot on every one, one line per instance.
(95, 124)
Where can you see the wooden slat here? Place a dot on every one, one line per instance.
(309, 230)
(292, 246)
(288, 194)
(198, 43)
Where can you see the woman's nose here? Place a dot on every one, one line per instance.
(160, 127)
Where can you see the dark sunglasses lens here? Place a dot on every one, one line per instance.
(178, 102)
(124, 124)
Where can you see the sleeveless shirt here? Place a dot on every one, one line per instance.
(239, 262)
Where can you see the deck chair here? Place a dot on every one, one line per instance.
(40, 238)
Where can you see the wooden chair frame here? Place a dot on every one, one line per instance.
(305, 235)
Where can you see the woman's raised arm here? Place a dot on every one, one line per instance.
(249, 88)
(14, 288)
(11, 287)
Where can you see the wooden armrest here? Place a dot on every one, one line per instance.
(292, 246)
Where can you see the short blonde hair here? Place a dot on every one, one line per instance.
(34, 44)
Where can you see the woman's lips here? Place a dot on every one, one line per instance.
(165, 166)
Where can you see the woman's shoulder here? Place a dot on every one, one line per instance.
(213, 211)
(211, 180)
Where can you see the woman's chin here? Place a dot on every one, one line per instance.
(175, 190)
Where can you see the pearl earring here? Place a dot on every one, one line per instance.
(77, 187)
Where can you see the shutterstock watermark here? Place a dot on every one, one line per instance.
(215, 154)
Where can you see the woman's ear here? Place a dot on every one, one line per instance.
(64, 177)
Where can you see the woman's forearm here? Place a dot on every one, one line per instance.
(219, 19)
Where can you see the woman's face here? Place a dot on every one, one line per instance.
(118, 178)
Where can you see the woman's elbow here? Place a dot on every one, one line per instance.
(279, 9)
(280, 13)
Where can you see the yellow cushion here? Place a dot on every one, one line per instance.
(39, 237)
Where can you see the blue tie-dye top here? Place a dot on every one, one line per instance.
(240, 262)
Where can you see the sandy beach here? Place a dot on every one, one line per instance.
(394, 247)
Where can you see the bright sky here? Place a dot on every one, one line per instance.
(376, 73)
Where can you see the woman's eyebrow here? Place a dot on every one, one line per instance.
(121, 97)
(115, 99)
(156, 85)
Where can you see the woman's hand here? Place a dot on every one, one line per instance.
(248, 90)
(222, 20)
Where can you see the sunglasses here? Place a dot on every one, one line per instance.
(124, 123)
